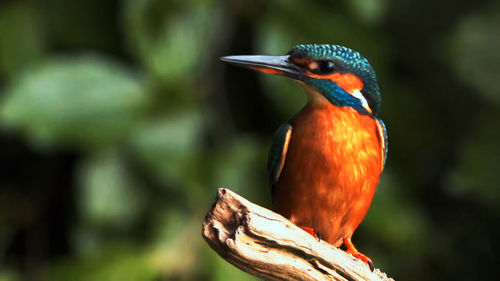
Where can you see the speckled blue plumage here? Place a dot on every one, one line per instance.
(320, 51)
(348, 61)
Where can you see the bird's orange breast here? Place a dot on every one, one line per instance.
(331, 170)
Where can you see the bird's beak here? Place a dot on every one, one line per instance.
(268, 64)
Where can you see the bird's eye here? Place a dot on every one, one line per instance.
(322, 66)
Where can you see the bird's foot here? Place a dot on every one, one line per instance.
(311, 231)
(364, 258)
(355, 253)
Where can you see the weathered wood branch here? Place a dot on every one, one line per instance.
(269, 246)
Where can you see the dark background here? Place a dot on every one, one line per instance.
(118, 123)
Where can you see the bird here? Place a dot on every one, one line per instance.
(325, 162)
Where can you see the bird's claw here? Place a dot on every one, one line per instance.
(355, 253)
(311, 231)
(364, 258)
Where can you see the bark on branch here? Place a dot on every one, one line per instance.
(269, 246)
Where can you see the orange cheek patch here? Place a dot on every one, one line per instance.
(267, 70)
(349, 82)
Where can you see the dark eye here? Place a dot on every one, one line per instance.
(322, 67)
(326, 66)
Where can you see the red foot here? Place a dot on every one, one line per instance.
(355, 253)
(310, 230)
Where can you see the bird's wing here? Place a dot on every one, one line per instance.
(382, 135)
(277, 153)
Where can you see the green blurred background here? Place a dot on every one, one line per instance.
(118, 123)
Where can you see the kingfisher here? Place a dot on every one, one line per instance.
(325, 162)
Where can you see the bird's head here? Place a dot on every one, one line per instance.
(339, 74)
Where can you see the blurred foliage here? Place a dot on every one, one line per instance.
(84, 100)
(118, 123)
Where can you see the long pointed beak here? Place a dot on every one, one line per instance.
(268, 64)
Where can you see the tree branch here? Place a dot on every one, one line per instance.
(269, 246)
